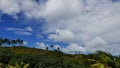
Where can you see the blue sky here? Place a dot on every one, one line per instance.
(72, 25)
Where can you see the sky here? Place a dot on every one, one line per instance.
(73, 25)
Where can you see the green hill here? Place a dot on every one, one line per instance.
(24, 57)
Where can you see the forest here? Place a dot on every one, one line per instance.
(26, 57)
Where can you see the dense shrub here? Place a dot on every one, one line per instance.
(36, 58)
(5, 55)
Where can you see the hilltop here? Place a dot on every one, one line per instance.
(25, 57)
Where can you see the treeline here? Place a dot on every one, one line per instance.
(24, 57)
(9, 42)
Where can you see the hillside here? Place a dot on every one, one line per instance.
(24, 57)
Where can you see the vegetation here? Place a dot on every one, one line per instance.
(7, 41)
(24, 57)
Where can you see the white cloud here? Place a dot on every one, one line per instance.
(11, 7)
(96, 44)
(74, 48)
(39, 36)
(114, 48)
(62, 35)
(25, 43)
(97, 23)
(21, 31)
(14, 29)
(28, 29)
(61, 9)
(57, 46)
(41, 45)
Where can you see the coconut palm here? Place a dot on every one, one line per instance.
(13, 41)
(20, 42)
(58, 48)
(47, 48)
(1, 40)
(51, 46)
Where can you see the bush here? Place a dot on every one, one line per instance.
(26, 58)
(5, 55)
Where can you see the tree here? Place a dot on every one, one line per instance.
(13, 41)
(1, 42)
(58, 48)
(51, 46)
(6, 40)
(20, 42)
(47, 48)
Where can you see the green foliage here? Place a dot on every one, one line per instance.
(98, 65)
(8, 41)
(24, 57)
(21, 65)
(5, 55)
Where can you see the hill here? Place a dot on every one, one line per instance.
(25, 57)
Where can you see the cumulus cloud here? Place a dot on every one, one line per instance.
(10, 7)
(41, 45)
(21, 31)
(39, 36)
(96, 23)
(57, 46)
(55, 10)
(96, 44)
(25, 43)
(62, 35)
(74, 48)
(13, 7)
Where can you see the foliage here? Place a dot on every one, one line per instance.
(24, 57)
(5, 55)
(21, 65)
(8, 41)
(97, 65)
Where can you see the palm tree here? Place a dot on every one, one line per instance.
(47, 48)
(6, 40)
(20, 42)
(1, 40)
(58, 48)
(0, 44)
(51, 46)
(13, 41)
